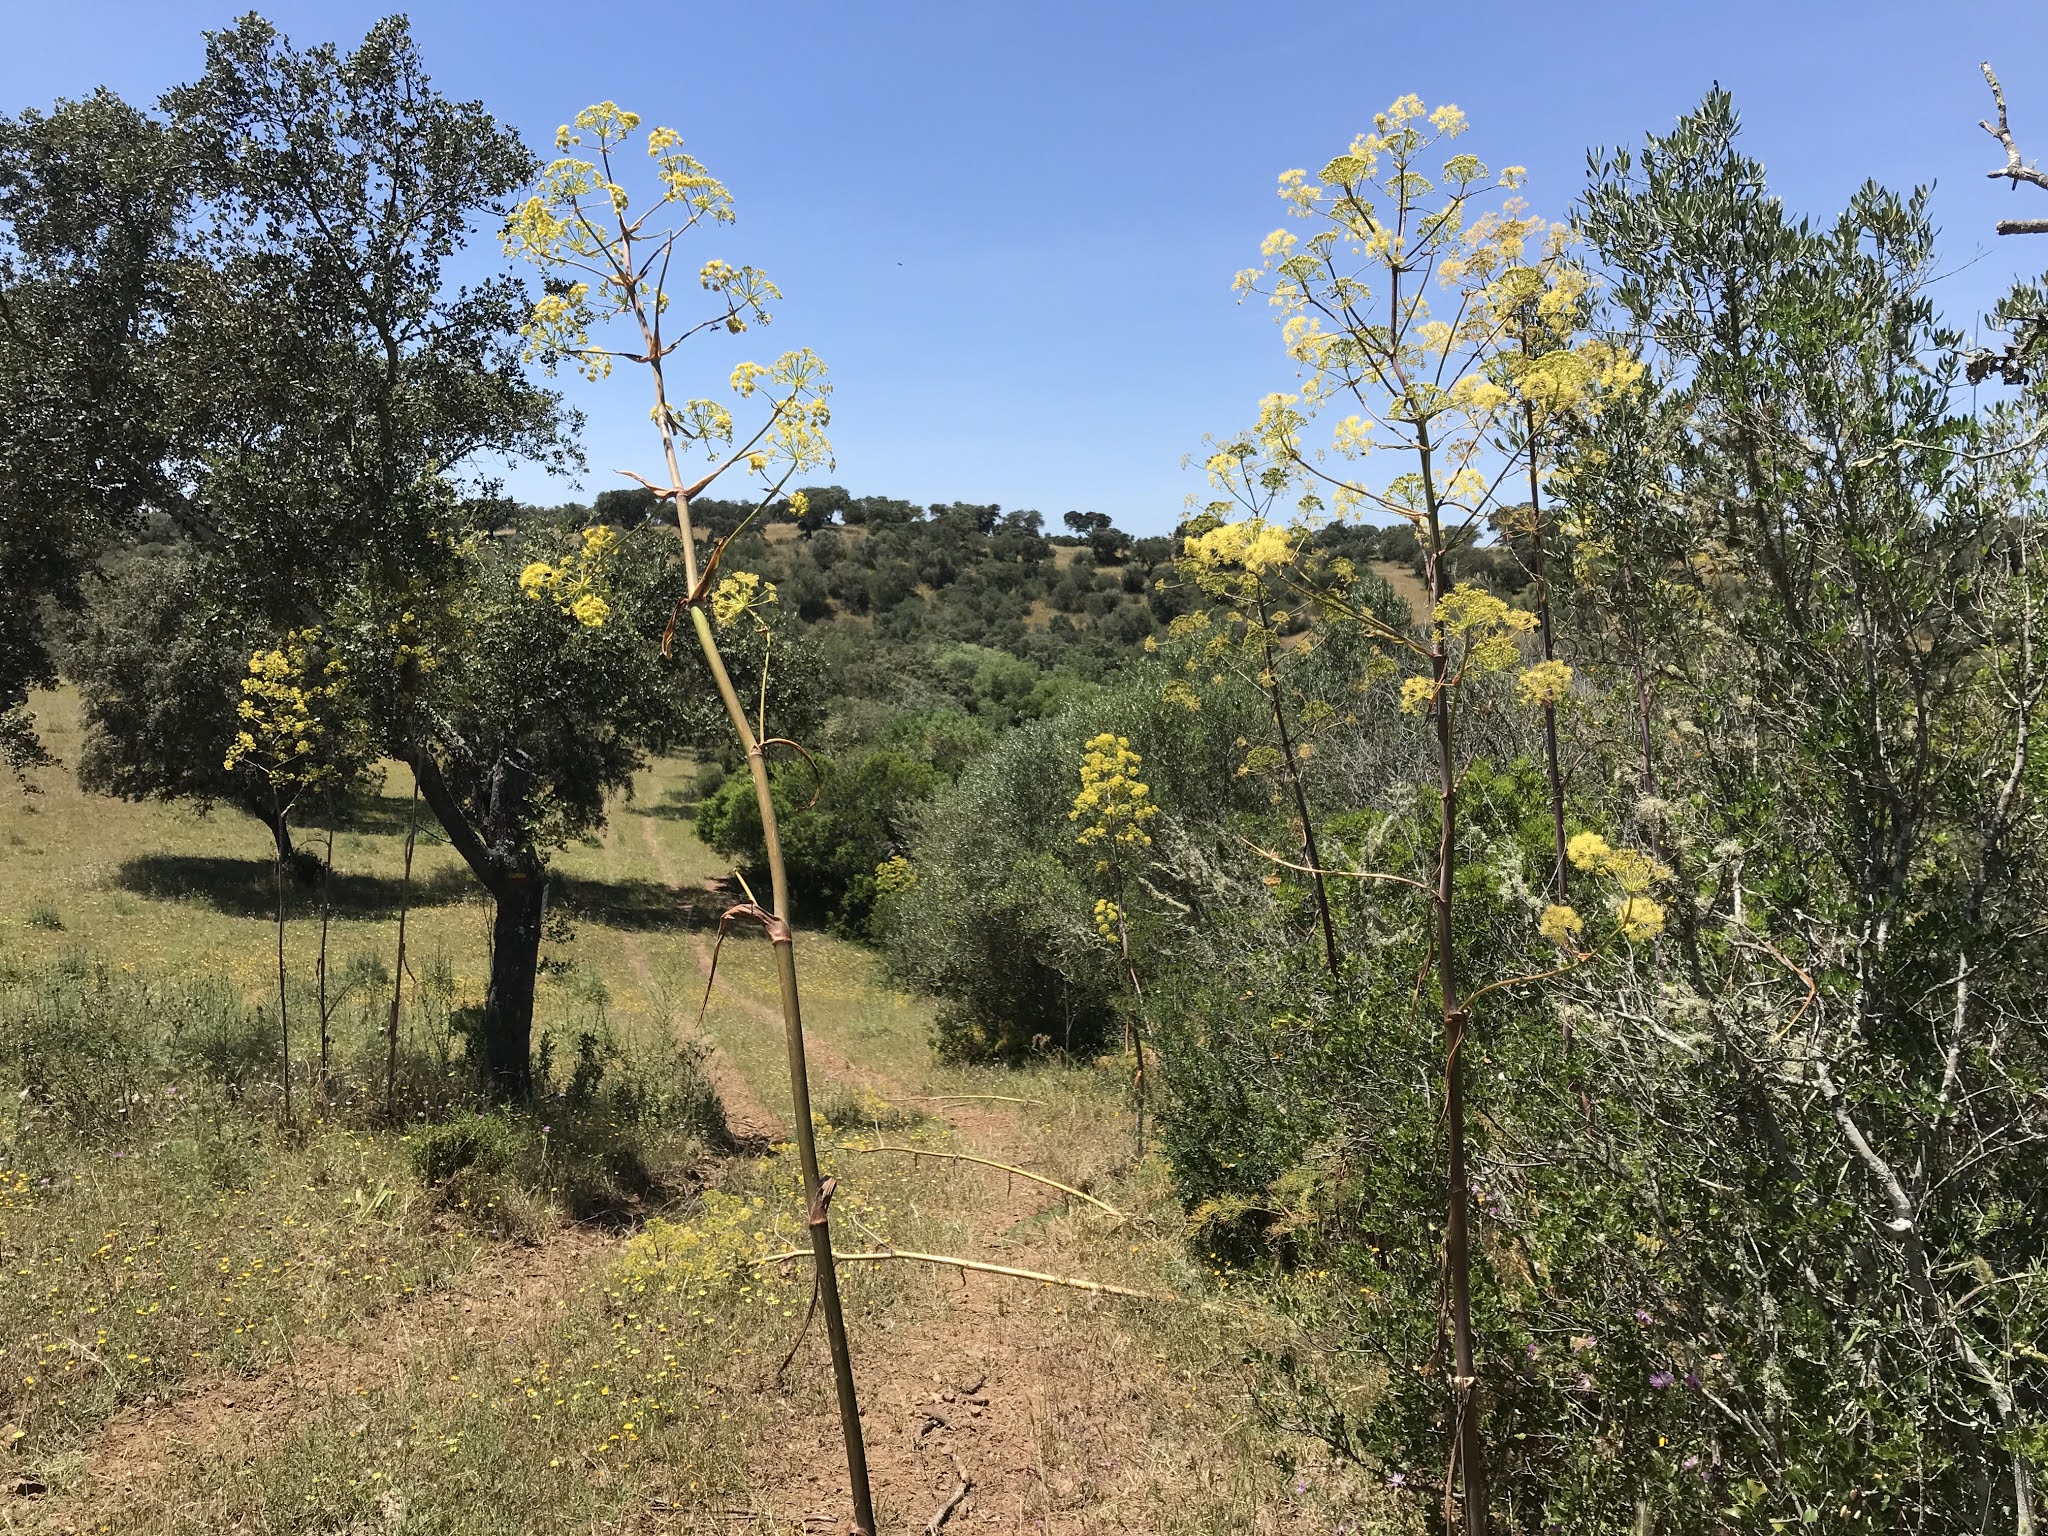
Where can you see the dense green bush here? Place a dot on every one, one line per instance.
(994, 914)
(833, 843)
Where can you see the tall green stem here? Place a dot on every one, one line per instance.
(648, 317)
(815, 1198)
(412, 829)
(284, 1022)
(1457, 1233)
(1560, 880)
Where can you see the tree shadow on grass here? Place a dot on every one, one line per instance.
(247, 887)
(636, 905)
(674, 805)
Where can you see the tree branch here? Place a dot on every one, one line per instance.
(448, 811)
(989, 1162)
(2015, 169)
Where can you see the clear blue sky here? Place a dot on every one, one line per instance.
(1009, 226)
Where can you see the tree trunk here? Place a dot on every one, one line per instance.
(280, 831)
(508, 1005)
(501, 855)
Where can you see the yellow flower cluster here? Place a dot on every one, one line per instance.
(1108, 915)
(288, 699)
(1418, 693)
(1487, 624)
(740, 594)
(1113, 805)
(573, 583)
(1561, 925)
(1546, 683)
(723, 1241)
(1253, 546)
(894, 875)
(1639, 915)
(574, 217)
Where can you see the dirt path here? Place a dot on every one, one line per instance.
(753, 1124)
(991, 1382)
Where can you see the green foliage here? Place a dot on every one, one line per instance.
(832, 845)
(91, 198)
(1742, 1258)
(994, 914)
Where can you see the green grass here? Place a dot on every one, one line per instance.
(166, 1239)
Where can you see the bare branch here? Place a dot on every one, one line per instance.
(2015, 169)
(950, 1261)
(989, 1162)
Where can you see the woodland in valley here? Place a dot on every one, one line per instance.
(1491, 979)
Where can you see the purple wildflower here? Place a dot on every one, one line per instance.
(1662, 1379)
(1692, 1381)
(1533, 1351)
(1642, 1317)
(1397, 1479)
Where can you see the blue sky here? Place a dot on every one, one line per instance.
(1009, 228)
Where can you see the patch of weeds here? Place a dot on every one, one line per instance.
(216, 1157)
(848, 1109)
(45, 917)
(193, 1249)
(624, 1136)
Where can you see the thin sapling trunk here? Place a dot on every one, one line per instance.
(412, 828)
(284, 1021)
(1553, 771)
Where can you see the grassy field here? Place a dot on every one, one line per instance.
(556, 1321)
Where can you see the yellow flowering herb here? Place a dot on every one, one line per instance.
(1587, 850)
(739, 594)
(1561, 925)
(1114, 804)
(1639, 917)
(575, 584)
(291, 704)
(1107, 916)
(1546, 683)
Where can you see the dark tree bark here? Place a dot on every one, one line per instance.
(508, 1004)
(493, 838)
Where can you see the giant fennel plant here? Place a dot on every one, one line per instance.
(608, 262)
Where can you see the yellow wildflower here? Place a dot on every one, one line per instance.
(740, 593)
(1639, 917)
(1114, 803)
(1560, 925)
(1546, 682)
(1586, 850)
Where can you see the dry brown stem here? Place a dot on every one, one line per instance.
(989, 1162)
(951, 1261)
